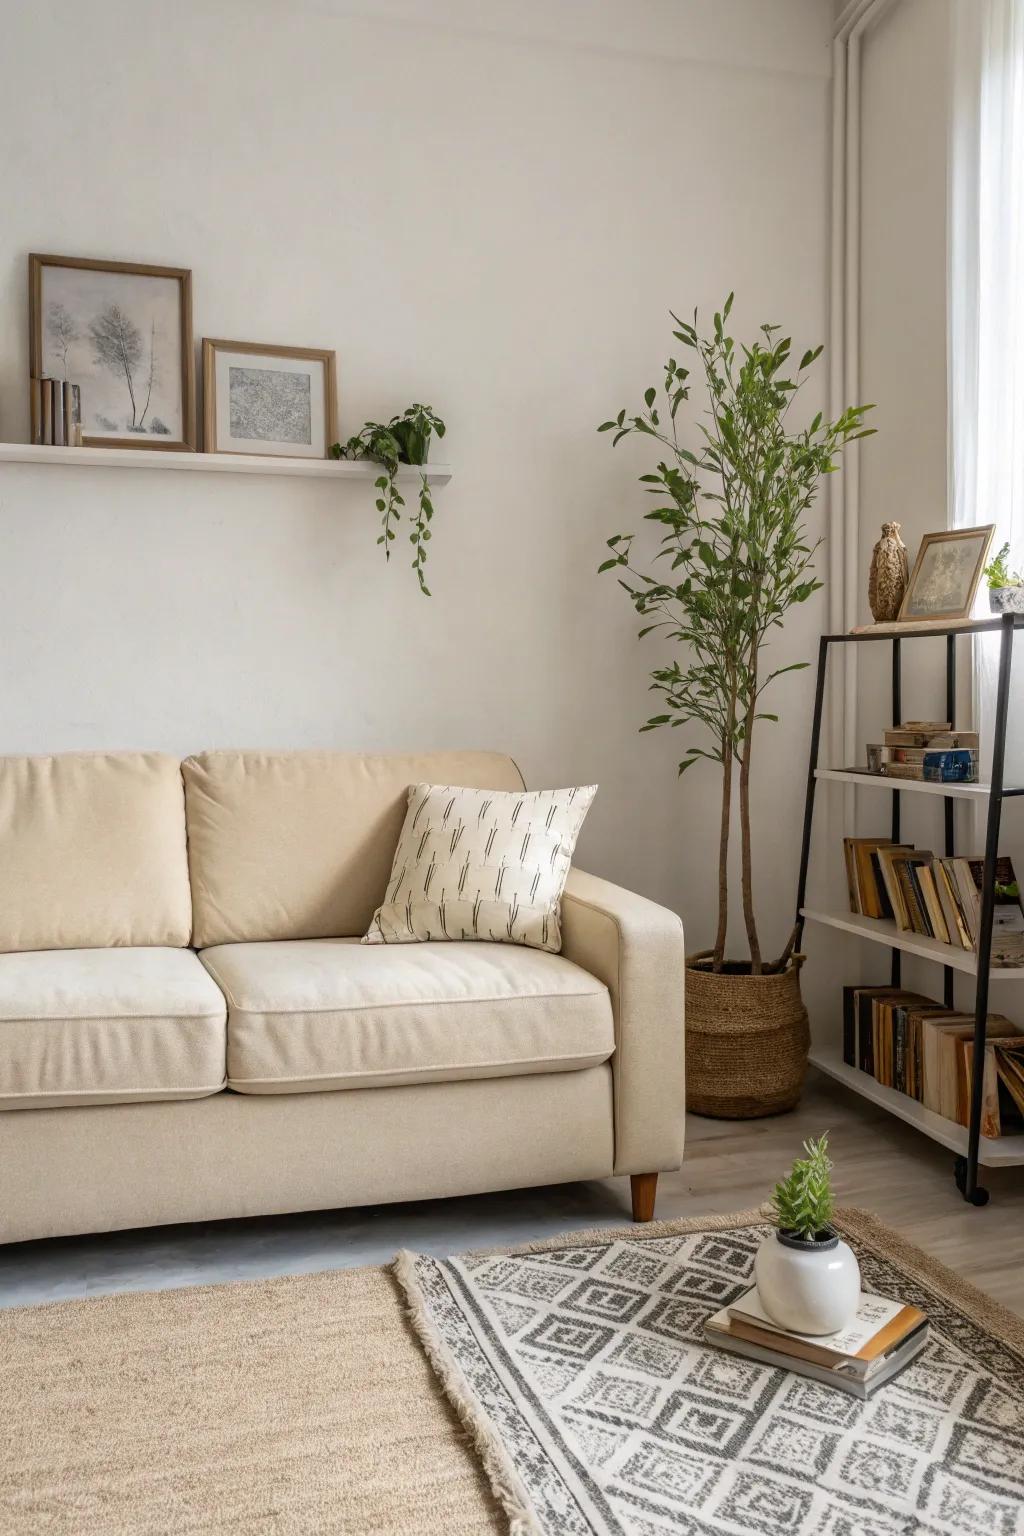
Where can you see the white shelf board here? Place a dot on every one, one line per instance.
(217, 463)
(884, 931)
(1004, 1150)
(915, 786)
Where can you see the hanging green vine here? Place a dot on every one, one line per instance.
(404, 439)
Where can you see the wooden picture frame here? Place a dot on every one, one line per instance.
(946, 591)
(73, 323)
(269, 412)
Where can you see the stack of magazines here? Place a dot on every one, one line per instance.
(883, 1337)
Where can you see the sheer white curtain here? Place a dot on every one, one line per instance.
(986, 315)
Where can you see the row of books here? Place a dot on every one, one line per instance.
(920, 1047)
(883, 1337)
(56, 411)
(926, 750)
(939, 898)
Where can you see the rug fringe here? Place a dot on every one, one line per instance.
(505, 1482)
(635, 1231)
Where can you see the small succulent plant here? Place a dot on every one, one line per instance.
(803, 1203)
(998, 573)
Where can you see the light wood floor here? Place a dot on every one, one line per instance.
(881, 1165)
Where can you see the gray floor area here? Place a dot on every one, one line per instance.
(881, 1164)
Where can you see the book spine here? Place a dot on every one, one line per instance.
(910, 899)
(899, 1033)
(933, 906)
(35, 403)
(58, 414)
(865, 1037)
(849, 1026)
(884, 903)
(72, 414)
(46, 414)
(851, 878)
(870, 904)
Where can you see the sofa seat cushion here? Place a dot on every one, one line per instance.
(318, 1014)
(108, 1026)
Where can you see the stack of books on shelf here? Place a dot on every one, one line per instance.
(918, 1046)
(882, 1339)
(939, 898)
(56, 412)
(926, 750)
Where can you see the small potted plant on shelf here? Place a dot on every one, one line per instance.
(404, 439)
(807, 1278)
(737, 558)
(1005, 587)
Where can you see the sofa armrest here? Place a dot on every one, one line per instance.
(636, 948)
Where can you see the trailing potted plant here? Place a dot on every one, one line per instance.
(731, 506)
(1005, 587)
(404, 439)
(808, 1279)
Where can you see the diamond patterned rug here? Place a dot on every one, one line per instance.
(580, 1371)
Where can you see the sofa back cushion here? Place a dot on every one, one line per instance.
(299, 845)
(92, 852)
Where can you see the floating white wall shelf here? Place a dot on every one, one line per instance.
(217, 463)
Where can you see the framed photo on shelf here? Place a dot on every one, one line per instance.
(122, 332)
(946, 574)
(270, 400)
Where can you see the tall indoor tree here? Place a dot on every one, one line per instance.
(732, 504)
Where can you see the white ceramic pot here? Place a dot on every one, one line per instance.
(1006, 599)
(807, 1287)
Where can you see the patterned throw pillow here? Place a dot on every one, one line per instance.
(481, 864)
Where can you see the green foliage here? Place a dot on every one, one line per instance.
(803, 1203)
(732, 508)
(998, 574)
(404, 439)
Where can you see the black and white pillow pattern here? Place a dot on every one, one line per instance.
(481, 864)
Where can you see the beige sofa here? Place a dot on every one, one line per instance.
(190, 1029)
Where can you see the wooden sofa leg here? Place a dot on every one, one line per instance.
(644, 1188)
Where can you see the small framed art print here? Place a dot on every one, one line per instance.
(270, 400)
(120, 331)
(946, 574)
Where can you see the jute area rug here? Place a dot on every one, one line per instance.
(580, 1370)
(296, 1405)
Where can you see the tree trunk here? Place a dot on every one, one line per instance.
(723, 856)
(746, 875)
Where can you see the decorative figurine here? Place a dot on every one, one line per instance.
(889, 575)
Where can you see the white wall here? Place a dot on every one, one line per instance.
(485, 206)
(904, 138)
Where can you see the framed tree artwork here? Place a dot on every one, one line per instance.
(121, 331)
(264, 399)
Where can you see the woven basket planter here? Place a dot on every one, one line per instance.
(747, 1039)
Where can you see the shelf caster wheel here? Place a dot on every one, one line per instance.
(979, 1196)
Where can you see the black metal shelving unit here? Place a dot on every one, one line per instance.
(995, 792)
